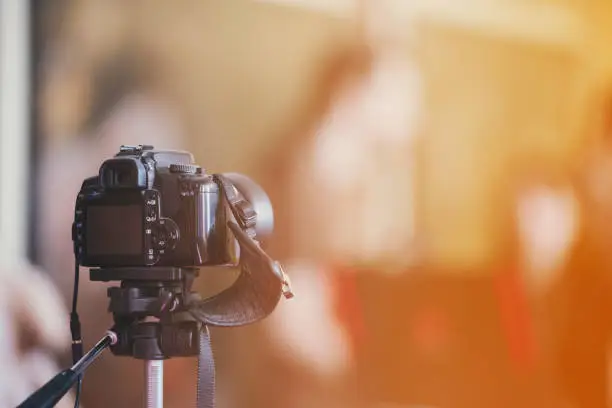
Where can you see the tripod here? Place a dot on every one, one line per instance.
(157, 317)
(152, 324)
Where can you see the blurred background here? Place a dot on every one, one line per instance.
(441, 173)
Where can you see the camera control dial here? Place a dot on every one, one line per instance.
(181, 168)
(165, 235)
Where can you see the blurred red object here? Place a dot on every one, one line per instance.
(516, 319)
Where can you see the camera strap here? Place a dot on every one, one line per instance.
(252, 297)
(206, 371)
(261, 283)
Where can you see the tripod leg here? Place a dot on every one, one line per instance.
(154, 383)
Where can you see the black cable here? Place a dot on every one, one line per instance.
(75, 290)
(75, 331)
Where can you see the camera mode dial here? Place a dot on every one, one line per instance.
(180, 168)
(165, 235)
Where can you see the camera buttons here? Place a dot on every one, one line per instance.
(166, 234)
(152, 212)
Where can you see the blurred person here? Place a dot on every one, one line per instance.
(343, 185)
(33, 327)
(344, 188)
(412, 197)
(329, 177)
(302, 345)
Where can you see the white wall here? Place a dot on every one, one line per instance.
(14, 146)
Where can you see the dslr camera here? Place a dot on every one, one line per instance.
(150, 207)
(150, 219)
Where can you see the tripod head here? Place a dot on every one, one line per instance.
(150, 311)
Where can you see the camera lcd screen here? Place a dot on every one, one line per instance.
(114, 230)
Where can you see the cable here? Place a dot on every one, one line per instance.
(75, 331)
(78, 392)
(75, 290)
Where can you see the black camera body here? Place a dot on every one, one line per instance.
(152, 207)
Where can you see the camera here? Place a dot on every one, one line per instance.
(150, 219)
(149, 207)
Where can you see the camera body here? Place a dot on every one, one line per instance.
(152, 207)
